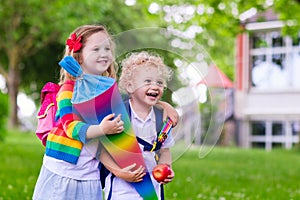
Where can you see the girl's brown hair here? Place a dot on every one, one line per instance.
(85, 32)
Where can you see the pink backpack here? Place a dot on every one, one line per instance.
(47, 111)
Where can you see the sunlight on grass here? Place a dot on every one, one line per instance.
(21, 157)
(224, 174)
(231, 173)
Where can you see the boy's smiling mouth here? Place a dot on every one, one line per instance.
(152, 94)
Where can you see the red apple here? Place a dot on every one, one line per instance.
(161, 171)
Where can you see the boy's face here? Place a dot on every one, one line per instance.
(147, 85)
(97, 54)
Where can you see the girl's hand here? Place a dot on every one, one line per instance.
(111, 126)
(131, 176)
(169, 178)
(169, 111)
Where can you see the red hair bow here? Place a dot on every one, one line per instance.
(74, 43)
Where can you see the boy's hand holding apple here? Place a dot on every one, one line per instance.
(163, 173)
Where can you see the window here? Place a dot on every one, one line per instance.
(296, 128)
(271, 134)
(275, 60)
(258, 128)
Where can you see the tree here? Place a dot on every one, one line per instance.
(26, 27)
(33, 31)
(215, 24)
(19, 36)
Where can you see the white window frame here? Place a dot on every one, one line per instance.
(287, 51)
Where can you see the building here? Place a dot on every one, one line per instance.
(267, 84)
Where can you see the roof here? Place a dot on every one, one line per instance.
(216, 78)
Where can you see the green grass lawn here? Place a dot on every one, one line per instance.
(232, 173)
(21, 157)
(224, 174)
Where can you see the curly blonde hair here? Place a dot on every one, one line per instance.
(138, 60)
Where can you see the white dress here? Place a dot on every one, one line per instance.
(60, 180)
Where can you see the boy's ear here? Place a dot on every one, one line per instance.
(130, 88)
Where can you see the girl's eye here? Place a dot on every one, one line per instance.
(96, 49)
(107, 48)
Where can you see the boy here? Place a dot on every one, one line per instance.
(143, 78)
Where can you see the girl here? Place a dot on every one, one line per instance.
(143, 77)
(70, 164)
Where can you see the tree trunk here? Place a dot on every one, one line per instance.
(13, 81)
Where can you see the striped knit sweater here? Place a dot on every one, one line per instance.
(66, 139)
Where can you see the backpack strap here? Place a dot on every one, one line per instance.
(159, 124)
(48, 98)
(158, 115)
(158, 118)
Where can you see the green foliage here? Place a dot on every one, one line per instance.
(3, 115)
(35, 32)
(220, 23)
(44, 27)
(44, 64)
(290, 12)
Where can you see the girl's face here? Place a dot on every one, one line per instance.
(97, 54)
(147, 86)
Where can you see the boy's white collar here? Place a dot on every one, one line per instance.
(151, 115)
